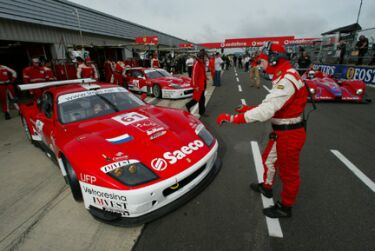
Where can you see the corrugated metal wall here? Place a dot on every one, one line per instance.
(62, 14)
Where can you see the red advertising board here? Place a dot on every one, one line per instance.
(148, 40)
(186, 45)
(254, 42)
(216, 45)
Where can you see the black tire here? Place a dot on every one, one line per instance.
(73, 181)
(26, 129)
(156, 91)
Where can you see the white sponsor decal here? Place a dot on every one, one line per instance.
(107, 199)
(129, 118)
(160, 164)
(73, 96)
(110, 167)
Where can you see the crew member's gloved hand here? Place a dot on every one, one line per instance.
(227, 118)
(244, 108)
(224, 118)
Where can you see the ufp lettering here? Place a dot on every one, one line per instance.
(177, 155)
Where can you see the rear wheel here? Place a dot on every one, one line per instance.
(156, 91)
(73, 181)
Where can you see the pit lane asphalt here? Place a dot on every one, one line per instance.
(334, 210)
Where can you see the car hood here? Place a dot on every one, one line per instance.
(330, 85)
(157, 137)
(182, 81)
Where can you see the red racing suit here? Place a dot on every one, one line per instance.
(7, 77)
(155, 63)
(118, 78)
(85, 71)
(36, 74)
(284, 105)
(199, 79)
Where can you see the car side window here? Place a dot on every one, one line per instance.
(46, 104)
(137, 74)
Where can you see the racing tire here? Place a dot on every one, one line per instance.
(26, 129)
(73, 181)
(156, 91)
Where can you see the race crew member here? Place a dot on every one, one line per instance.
(37, 73)
(198, 81)
(254, 72)
(155, 61)
(118, 78)
(284, 105)
(86, 69)
(7, 78)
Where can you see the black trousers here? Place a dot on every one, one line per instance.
(202, 101)
(190, 70)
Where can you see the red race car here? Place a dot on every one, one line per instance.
(158, 82)
(326, 88)
(129, 162)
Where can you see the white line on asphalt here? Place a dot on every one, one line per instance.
(243, 101)
(239, 88)
(273, 225)
(237, 80)
(265, 87)
(355, 170)
(236, 74)
(372, 86)
(150, 100)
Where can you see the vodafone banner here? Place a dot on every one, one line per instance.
(254, 42)
(216, 45)
(148, 40)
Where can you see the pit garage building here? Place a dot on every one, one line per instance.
(50, 28)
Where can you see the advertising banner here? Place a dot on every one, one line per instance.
(147, 40)
(364, 73)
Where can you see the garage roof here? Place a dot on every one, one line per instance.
(63, 14)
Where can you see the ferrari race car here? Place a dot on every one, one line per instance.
(326, 88)
(128, 161)
(158, 82)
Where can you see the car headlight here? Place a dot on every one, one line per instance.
(176, 86)
(312, 90)
(205, 135)
(133, 174)
(359, 91)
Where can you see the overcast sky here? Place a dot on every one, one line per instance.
(202, 21)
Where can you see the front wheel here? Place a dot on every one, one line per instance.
(156, 91)
(73, 181)
(26, 129)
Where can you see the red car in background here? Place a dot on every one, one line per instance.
(326, 88)
(128, 161)
(158, 82)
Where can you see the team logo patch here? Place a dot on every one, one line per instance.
(281, 87)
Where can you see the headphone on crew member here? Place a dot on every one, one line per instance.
(273, 56)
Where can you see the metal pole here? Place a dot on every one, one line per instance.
(359, 11)
(79, 25)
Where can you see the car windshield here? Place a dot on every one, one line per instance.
(84, 105)
(157, 74)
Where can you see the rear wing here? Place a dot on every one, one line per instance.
(25, 87)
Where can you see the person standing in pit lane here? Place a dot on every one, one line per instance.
(118, 78)
(284, 105)
(199, 82)
(86, 69)
(218, 63)
(189, 65)
(254, 71)
(155, 61)
(7, 78)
